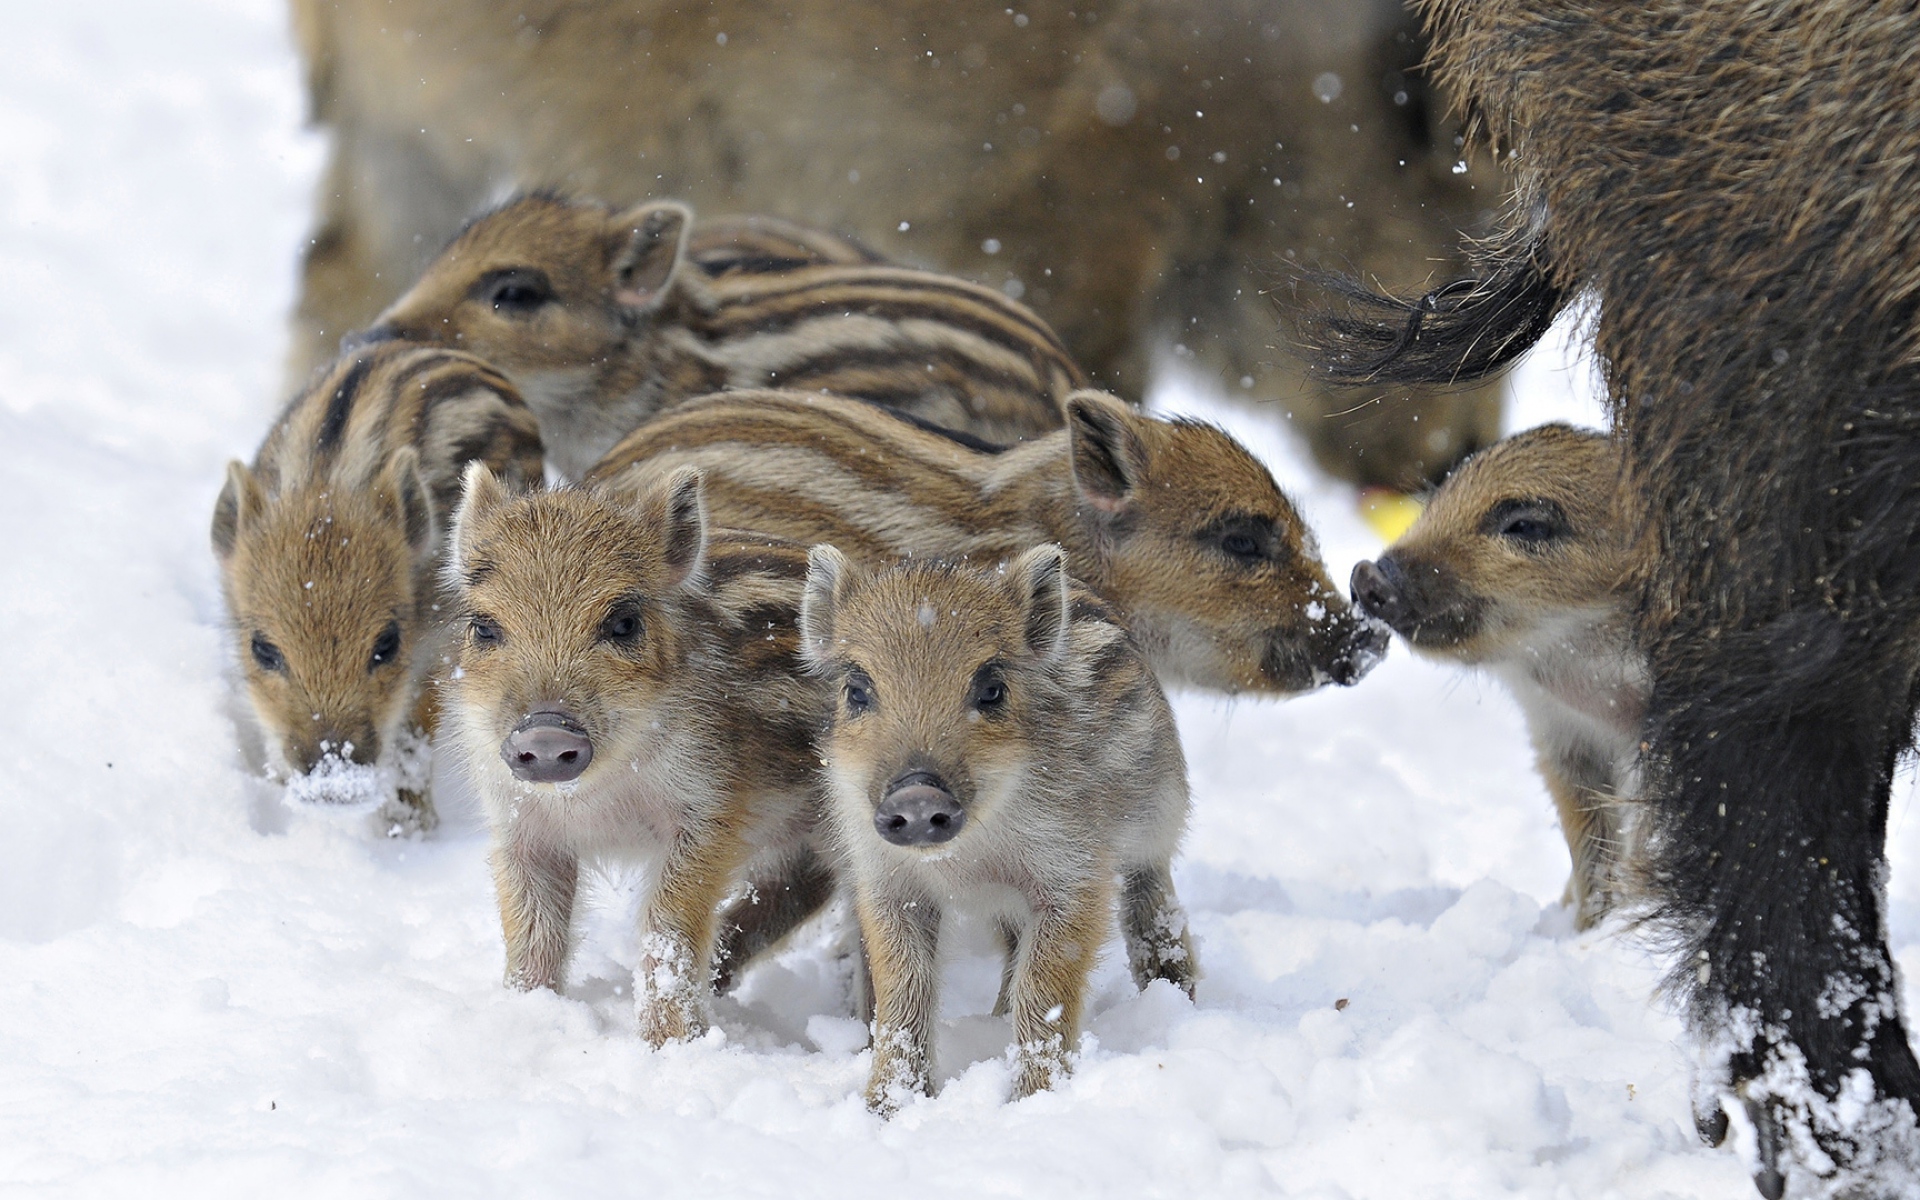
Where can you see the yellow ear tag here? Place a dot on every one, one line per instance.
(1389, 513)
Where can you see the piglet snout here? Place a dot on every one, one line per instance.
(1376, 589)
(918, 810)
(1363, 652)
(548, 746)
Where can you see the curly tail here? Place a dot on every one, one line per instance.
(1457, 333)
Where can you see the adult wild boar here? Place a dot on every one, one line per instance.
(1739, 185)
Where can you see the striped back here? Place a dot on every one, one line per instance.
(941, 349)
(821, 469)
(452, 408)
(761, 245)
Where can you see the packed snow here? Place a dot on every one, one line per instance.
(205, 992)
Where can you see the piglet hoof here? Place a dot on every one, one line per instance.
(889, 1091)
(899, 1073)
(665, 1020)
(884, 1101)
(1176, 966)
(1039, 1069)
(1158, 944)
(1176, 971)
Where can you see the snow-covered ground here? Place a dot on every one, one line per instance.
(203, 994)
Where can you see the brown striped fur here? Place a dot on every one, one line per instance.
(700, 718)
(328, 549)
(598, 318)
(1026, 701)
(759, 243)
(1172, 522)
(1523, 563)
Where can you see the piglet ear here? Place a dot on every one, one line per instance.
(410, 496)
(1039, 580)
(686, 544)
(1109, 459)
(653, 255)
(241, 502)
(674, 512)
(828, 575)
(481, 495)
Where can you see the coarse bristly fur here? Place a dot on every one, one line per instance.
(601, 320)
(1522, 564)
(1172, 522)
(1022, 708)
(329, 546)
(1140, 172)
(1738, 184)
(666, 655)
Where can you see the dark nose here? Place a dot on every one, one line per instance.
(1376, 589)
(547, 747)
(918, 810)
(1365, 649)
(362, 338)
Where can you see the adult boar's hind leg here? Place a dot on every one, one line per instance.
(1770, 864)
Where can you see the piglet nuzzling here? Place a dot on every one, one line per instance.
(999, 744)
(329, 547)
(1172, 522)
(1523, 564)
(628, 689)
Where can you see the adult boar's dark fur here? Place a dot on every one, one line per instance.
(1739, 185)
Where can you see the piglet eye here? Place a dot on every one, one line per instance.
(517, 296)
(1526, 524)
(1246, 541)
(516, 293)
(989, 691)
(859, 693)
(621, 625)
(485, 632)
(266, 655)
(386, 647)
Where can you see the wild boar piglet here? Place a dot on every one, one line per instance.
(998, 743)
(1523, 564)
(629, 691)
(329, 547)
(600, 318)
